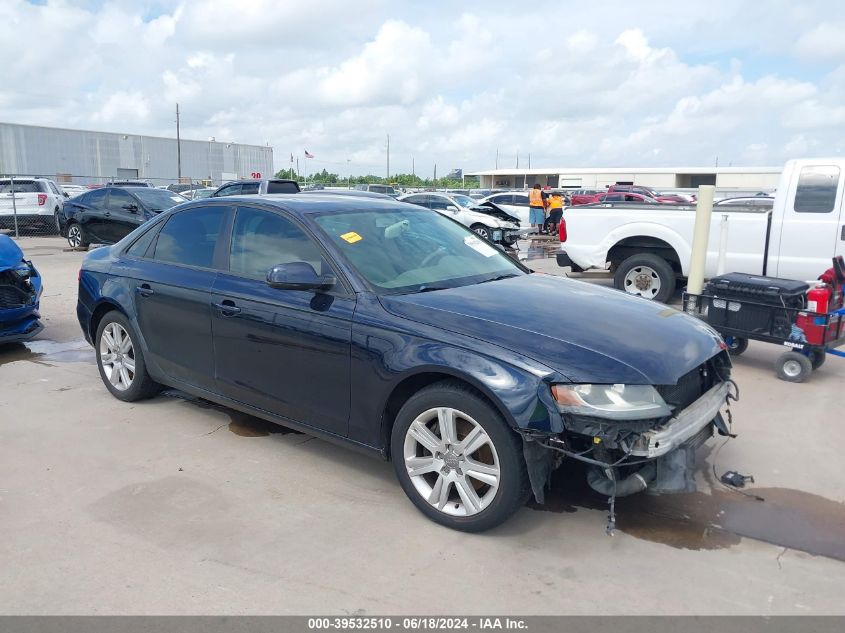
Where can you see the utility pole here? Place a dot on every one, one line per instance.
(497, 158)
(388, 159)
(435, 176)
(178, 148)
(517, 159)
(529, 160)
(413, 171)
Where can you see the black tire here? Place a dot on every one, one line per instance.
(58, 225)
(737, 345)
(817, 358)
(483, 231)
(652, 268)
(142, 386)
(513, 488)
(77, 236)
(793, 367)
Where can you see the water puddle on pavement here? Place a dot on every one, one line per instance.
(788, 518)
(46, 351)
(537, 249)
(242, 424)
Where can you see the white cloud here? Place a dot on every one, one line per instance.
(652, 85)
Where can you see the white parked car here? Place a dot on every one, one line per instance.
(486, 221)
(74, 190)
(514, 202)
(36, 201)
(648, 248)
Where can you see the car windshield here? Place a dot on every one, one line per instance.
(158, 199)
(414, 250)
(464, 201)
(203, 193)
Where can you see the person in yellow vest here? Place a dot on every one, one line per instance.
(555, 211)
(536, 208)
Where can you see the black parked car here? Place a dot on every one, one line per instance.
(109, 214)
(396, 330)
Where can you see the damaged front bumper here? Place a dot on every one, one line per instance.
(680, 428)
(627, 457)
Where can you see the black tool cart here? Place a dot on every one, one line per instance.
(742, 307)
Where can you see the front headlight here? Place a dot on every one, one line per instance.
(615, 402)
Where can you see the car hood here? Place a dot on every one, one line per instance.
(474, 215)
(587, 333)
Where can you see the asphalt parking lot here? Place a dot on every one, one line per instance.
(172, 506)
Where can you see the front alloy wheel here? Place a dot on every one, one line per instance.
(75, 237)
(451, 461)
(457, 459)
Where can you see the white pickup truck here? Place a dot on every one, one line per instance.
(648, 247)
(38, 202)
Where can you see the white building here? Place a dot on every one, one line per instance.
(724, 178)
(83, 157)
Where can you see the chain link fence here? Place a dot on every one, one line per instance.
(32, 204)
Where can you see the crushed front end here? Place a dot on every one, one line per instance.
(20, 294)
(634, 438)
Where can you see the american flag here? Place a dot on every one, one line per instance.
(307, 155)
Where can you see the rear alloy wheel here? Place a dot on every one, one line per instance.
(121, 361)
(646, 275)
(457, 459)
(76, 236)
(483, 231)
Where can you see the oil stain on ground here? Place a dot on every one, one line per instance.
(46, 351)
(242, 424)
(785, 517)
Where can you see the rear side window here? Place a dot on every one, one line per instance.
(140, 246)
(249, 188)
(231, 190)
(21, 186)
(817, 186)
(189, 237)
(281, 187)
(97, 199)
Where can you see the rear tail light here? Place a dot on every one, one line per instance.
(561, 231)
(42, 199)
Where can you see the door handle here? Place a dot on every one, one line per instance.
(227, 308)
(842, 236)
(144, 290)
(107, 214)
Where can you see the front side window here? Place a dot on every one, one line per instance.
(249, 188)
(418, 200)
(280, 187)
(189, 237)
(261, 240)
(413, 250)
(817, 187)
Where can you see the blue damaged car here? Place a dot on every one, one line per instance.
(393, 329)
(20, 293)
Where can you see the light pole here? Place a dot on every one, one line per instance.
(348, 174)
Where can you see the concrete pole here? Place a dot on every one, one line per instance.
(723, 244)
(14, 207)
(700, 238)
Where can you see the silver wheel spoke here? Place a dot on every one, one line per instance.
(446, 421)
(124, 376)
(474, 440)
(421, 465)
(440, 493)
(467, 493)
(129, 363)
(114, 375)
(485, 473)
(125, 344)
(421, 433)
(109, 339)
(107, 359)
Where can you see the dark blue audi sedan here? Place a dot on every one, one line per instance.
(396, 330)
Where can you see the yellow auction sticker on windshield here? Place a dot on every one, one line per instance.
(351, 237)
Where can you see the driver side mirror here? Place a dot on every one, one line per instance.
(452, 208)
(298, 276)
(132, 208)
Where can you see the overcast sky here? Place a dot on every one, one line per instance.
(600, 83)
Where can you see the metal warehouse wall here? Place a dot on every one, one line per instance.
(88, 156)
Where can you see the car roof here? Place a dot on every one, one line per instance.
(312, 203)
